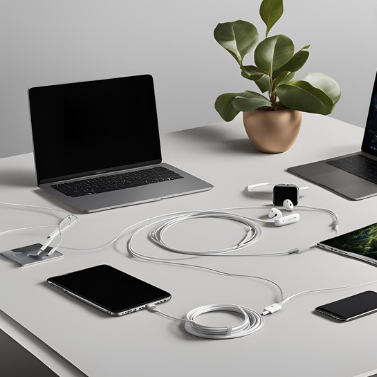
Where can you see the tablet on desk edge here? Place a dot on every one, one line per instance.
(358, 244)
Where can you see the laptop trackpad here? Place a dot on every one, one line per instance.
(346, 184)
(336, 179)
(359, 190)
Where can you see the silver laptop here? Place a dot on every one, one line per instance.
(97, 145)
(353, 176)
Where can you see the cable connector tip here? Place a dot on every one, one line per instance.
(272, 309)
(152, 307)
(335, 224)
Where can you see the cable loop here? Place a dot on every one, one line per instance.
(252, 235)
(251, 322)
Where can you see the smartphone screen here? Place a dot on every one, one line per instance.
(351, 307)
(109, 289)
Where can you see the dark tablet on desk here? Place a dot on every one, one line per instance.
(110, 290)
(360, 244)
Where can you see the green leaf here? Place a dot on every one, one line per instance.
(237, 37)
(224, 106)
(305, 47)
(325, 83)
(270, 12)
(273, 52)
(252, 73)
(243, 74)
(250, 101)
(282, 78)
(300, 95)
(293, 65)
(263, 84)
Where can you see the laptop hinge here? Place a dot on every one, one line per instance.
(98, 172)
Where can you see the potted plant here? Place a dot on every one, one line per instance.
(272, 121)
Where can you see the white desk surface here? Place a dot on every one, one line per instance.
(293, 342)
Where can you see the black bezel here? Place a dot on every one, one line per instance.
(52, 176)
(371, 123)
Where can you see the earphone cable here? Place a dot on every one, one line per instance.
(326, 289)
(36, 207)
(335, 224)
(172, 215)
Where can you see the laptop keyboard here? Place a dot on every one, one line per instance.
(359, 165)
(114, 182)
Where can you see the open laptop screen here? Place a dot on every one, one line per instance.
(88, 127)
(370, 136)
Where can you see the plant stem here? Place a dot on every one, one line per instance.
(272, 95)
(273, 100)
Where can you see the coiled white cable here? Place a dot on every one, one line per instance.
(251, 321)
(253, 233)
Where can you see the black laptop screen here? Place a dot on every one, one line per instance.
(94, 126)
(370, 136)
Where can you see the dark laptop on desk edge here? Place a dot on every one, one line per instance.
(353, 176)
(97, 144)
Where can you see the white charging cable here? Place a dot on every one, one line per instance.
(335, 224)
(67, 221)
(70, 220)
(253, 231)
(278, 306)
(154, 234)
(174, 217)
(251, 321)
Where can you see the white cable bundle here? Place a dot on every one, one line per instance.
(252, 235)
(252, 321)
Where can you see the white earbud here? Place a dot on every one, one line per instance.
(286, 220)
(275, 213)
(288, 205)
(280, 220)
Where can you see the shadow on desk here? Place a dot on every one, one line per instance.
(56, 202)
(221, 139)
(19, 178)
(265, 196)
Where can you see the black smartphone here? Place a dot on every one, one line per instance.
(351, 307)
(109, 289)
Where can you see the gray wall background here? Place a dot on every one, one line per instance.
(47, 42)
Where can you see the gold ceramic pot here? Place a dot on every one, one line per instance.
(272, 131)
